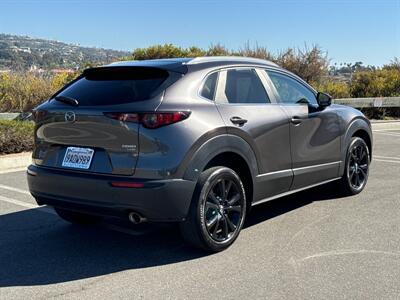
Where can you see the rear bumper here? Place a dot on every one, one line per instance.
(157, 200)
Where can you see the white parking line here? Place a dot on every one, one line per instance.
(27, 205)
(13, 170)
(388, 134)
(386, 157)
(386, 129)
(6, 187)
(387, 160)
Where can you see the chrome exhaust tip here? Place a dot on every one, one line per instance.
(136, 218)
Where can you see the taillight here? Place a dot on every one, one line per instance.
(151, 120)
(155, 120)
(123, 117)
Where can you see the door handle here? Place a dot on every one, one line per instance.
(238, 121)
(296, 120)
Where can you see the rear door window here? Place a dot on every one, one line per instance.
(108, 86)
(243, 86)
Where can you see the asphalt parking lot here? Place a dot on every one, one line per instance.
(313, 245)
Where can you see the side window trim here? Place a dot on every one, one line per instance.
(272, 86)
(220, 96)
(268, 86)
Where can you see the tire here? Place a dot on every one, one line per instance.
(356, 170)
(215, 217)
(76, 217)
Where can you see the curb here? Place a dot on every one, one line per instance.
(16, 161)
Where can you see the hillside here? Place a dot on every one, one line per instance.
(24, 53)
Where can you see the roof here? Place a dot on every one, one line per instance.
(152, 62)
(179, 64)
(230, 59)
(172, 64)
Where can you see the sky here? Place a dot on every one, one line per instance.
(350, 31)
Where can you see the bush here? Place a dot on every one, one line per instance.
(165, 51)
(20, 92)
(16, 136)
(336, 89)
(256, 52)
(61, 79)
(377, 83)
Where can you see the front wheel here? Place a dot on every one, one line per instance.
(357, 167)
(217, 210)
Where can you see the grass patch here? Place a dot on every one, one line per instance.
(16, 136)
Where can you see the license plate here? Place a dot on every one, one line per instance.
(79, 158)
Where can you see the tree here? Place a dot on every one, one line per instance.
(393, 65)
(310, 64)
(256, 52)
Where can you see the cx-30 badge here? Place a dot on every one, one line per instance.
(69, 116)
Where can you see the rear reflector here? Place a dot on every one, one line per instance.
(38, 115)
(151, 120)
(127, 184)
(30, 172)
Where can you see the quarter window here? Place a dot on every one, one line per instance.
(243, 86)
(208, 89)
(290, 90)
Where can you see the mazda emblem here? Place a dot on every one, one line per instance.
(69, 116)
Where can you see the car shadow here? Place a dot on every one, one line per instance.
(38, 248)
(274, 208)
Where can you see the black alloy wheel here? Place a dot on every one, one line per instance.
(357, 167)
(358, 163)
(217, 211)
(223, 209)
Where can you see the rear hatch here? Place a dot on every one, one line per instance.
(74, 129)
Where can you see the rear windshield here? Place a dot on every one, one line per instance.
(108, 86)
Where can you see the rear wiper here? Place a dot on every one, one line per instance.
(67, 100)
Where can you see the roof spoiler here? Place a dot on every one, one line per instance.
(124, 72)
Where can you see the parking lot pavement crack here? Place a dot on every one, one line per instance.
(303, 228)
(84, 287)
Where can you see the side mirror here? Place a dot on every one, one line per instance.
(324, 99)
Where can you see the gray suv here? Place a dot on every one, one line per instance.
(197, 141)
